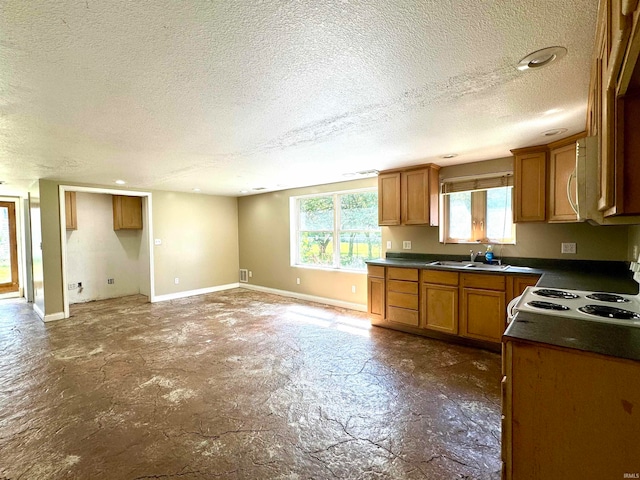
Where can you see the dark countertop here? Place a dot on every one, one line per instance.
(597, 337)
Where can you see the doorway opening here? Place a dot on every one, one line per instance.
(9, 279)
(130, 244)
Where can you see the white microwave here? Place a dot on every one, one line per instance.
(585, 192)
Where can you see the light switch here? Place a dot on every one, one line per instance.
(157, 241)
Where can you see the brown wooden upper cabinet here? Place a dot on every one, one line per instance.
(530, 189)
(127, 213)
(409, 196)
(544, 179)
(614, 106)
(71, 216)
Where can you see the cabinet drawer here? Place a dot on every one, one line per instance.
(486, 282)
(440, 277)
(403, 287)
(402, 300)
(375, 271)
(394, 273)
(402, 315)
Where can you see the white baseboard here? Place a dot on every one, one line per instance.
(191, 293)
(54, 316)
(311, 298)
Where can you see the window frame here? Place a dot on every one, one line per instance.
(478, 219)
(294, 246)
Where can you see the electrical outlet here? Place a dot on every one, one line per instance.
(176, 280)
(72, 286)
(298, 281)
(568, 248)
(250, 274)
(110, 281)
(406, 245)
(388, 244)
(157, 241)
(353, 289)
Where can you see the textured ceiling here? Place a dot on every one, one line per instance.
(231, 95)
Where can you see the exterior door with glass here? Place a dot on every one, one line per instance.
(8, 248)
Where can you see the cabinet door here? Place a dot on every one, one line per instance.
(483, 314)
(375, 297)
(440, 308)
(71, 217)
(530, 187)
(517, 284)
(562, 164)
(571, 414)
(415, 197)
(127, 213)
(389, 199)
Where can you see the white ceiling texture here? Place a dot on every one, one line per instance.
(227, 96)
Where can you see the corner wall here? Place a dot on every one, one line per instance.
(199, 235)
(264, 235)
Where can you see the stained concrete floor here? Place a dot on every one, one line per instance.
(239, 385)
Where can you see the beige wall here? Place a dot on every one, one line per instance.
(264, 237)
(199, 235)
(533, 240)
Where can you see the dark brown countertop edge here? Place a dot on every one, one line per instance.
(595, 337)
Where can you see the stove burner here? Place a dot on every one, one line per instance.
(550, 293)
(607, 297)
(609, 312)
(546, 305)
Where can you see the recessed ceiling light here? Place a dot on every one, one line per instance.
(120, 182)
(552, 111)
(259, 188)
(244, 191)
(2, 182)
(541, 58)
(196, 190)
(450, 155)
(555, 131)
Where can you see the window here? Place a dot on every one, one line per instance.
(478, 211)
(335, 230)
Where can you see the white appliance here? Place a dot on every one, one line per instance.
(583, 186)
(594, 306)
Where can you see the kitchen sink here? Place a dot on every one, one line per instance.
(467, 264)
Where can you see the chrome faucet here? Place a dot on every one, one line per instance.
(473, 256)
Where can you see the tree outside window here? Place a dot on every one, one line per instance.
(337, 230)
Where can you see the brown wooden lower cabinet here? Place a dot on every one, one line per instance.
(568, 414)
(440, 301)
(482, 314)
(435, 302)
(483, 306)
(376, 299)
(402, 296)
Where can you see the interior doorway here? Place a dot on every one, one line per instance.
(146, 281)
(9, 279)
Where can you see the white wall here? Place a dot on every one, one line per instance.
(95, 252)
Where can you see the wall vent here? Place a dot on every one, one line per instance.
(244, 275)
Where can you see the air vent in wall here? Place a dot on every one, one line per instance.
(244, 275)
